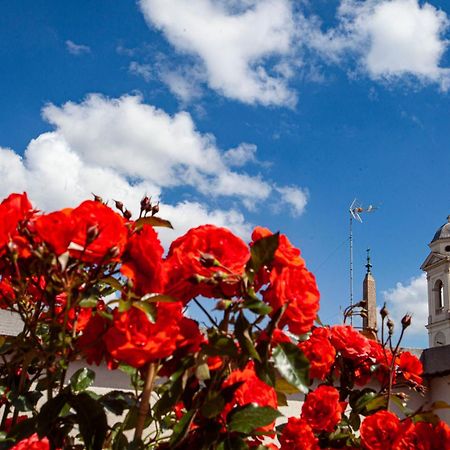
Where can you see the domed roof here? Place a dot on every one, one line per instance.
(443, 232)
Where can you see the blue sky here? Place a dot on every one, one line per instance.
(270, 112)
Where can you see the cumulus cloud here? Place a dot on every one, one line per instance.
(390, 39)
(123, 148)
(140, 70)
(77, 49)
(237, 44)
(295, 197)
(412, 298)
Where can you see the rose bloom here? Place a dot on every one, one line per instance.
(252, 390)
(183, 262)
(14, 209)
(295, 287)
(135, 340)
(322, 409)
(349, 342)
(298, 435)
(286, 254)
(410, 367)
(142, 261)
(56, 229)
(32, 443)
(379, 431)
(423, 436)
(320, 353)
(96, 222)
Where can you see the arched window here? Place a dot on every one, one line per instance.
(438, 295)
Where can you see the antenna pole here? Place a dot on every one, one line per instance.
(351, 265)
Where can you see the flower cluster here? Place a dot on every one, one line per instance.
(94, 284)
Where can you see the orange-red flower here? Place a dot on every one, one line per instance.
(349, 342)
(14, 209)
(135, 340)
(296, 288)
(252, 390)
(205, 251)
(422, 436)
(298, 435)
(322, 409)
(410, 367)
(32, 443)
(56, 229)
(100, 234)
(142, 261)
(320, 353)
(379, 431)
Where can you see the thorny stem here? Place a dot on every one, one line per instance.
(206, 312)
(391, 371)
(145, 399)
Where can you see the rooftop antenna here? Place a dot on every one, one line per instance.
(356, 209)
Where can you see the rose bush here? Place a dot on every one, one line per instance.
(93, 285)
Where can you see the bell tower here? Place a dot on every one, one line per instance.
(437, 268)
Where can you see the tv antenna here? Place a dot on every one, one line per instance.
(355, 210)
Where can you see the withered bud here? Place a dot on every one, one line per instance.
(390, 325)
(222, 305)
(127, 214)
(114, 252)
(119, 205)
(197, 279)
(208, 260)
(12, 247)
(146, 203)
(406, 321)
(219, 276)
(155, 209)
(384, 311)
(92, 233)
(97, 198)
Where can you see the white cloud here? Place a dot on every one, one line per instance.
(140, 70)
(241, 155)
(390, 39)
(295, 197)
(234, 41)
(412, 298)
(122, 149)
(77, 49)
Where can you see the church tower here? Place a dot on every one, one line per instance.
(437, 268)
(370, 298)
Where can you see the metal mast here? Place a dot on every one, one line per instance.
(355, 210)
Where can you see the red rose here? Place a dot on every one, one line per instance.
(142, 261)
(99, 235)
(205, 251)
(322, 409)
(56, 229)
(379, 431)
(32, 443)
(13, 210)
(7, 294)
(422, 436)
(252, 390)
(135, 340)
(349, 342)
(298, 435)
(320, 353)
(286, 254)
(410, 367)
(295, 287)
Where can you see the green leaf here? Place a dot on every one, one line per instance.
(89, 302)
(50, 412)
(117, 401)
(242, 331)
(258, 307)
(248, 418)
(181, 428)
(82, 379)
(292, 365)
(233, 442)
(220, 345)
(262, 253)
(148, 308)
(354, 420)
(92, 421)
(213, 405)
(112, 282)
(153, 298)
(152, 221)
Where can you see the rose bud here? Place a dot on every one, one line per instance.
(119, 205)
(92, 234)
(406, 321)
(127, 214)
(384, 311)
